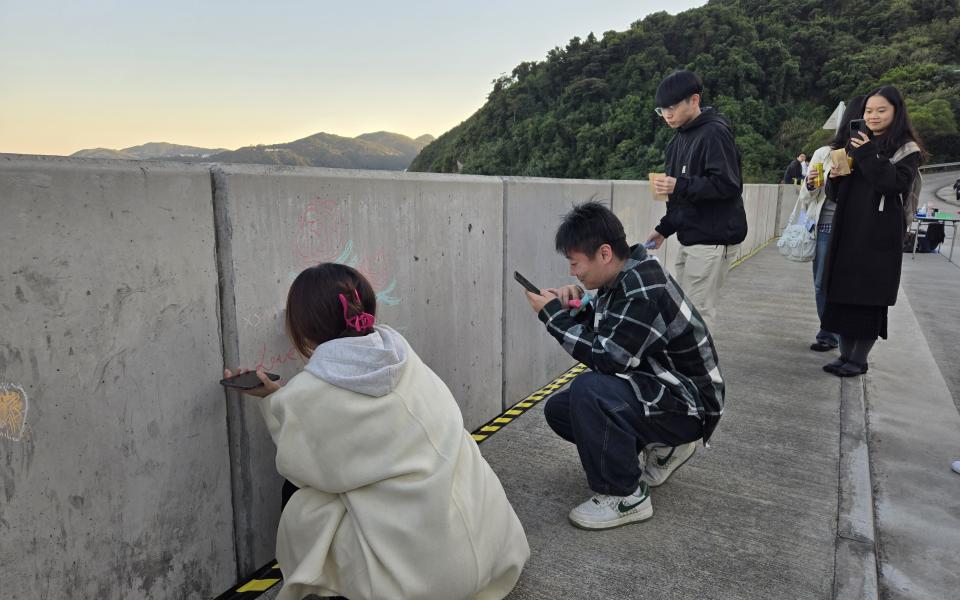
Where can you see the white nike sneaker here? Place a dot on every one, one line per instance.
(662, 461)
(604, 512)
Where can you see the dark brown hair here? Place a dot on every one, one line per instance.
(901, 130)
(314, 312)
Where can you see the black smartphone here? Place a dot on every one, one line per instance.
(246, 381)
(856, 126)
(523, 281)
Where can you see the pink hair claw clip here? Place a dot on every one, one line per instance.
(359, 322)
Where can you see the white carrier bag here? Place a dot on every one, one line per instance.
(799, 241)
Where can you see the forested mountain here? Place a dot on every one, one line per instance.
(776, 68)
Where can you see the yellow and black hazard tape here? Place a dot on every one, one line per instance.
(756, 250)
(262, 580)
(514, 412)
(269, 575)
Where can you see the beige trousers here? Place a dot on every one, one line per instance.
(701, 271)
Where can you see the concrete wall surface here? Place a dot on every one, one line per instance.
(431, 245)
(633, 205)
(533, 208)
(126, 471)
(787, 200)
(114, 478)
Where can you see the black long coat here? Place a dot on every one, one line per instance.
(866, 246)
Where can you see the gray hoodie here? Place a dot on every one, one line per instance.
(371, 364)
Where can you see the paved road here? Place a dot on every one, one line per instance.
(935, 182)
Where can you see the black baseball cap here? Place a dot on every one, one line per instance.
(676, 87)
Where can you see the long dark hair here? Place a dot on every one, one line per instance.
(901, 128)
(853, 110)
(314, 312)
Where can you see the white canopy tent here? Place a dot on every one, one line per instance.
(833, 122)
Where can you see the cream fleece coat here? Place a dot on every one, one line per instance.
(812, 201)
(396, 501)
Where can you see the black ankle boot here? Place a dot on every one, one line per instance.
(831, 367)
(851, 369)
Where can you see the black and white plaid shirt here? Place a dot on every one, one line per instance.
(644, 327)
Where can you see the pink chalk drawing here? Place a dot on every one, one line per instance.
(318, 232)
(319, 239)
(268, 363)
(13, 411)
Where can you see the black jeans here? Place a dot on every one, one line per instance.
(603, 417)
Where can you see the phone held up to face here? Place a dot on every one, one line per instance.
(856, 127)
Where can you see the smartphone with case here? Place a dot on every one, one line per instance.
(246, 381)
(525, 283)
(856, 126)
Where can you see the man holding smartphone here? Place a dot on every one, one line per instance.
(654, 386)
(704, 187)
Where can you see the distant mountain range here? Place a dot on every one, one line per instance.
(151, 151)
(378, 150)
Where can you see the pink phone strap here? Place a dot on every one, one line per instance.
(359, 322)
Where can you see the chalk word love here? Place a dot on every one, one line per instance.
(267, 363)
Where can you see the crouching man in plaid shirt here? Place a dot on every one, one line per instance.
(654, 387)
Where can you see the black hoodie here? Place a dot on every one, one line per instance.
(706, 207)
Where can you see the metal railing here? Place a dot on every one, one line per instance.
(954, 166)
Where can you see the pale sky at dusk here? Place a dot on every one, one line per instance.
(115, 74)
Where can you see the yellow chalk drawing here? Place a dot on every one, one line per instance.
(13, 411)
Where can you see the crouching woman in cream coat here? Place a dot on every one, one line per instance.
(394, 500)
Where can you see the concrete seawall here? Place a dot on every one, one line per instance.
(125, 287)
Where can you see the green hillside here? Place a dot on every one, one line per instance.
(777, 69)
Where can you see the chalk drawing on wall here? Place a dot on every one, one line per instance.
(320, 238)
(13, 411)
(319, 230)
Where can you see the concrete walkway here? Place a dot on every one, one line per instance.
(781, 505)
(814, 488)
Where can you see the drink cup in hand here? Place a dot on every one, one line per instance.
(653, 177)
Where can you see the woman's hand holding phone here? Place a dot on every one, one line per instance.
(266, 388)
(859, 140)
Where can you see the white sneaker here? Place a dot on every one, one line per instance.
(956, 466)
(604, 512)
(662, 461)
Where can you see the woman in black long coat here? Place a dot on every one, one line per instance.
(862, 272)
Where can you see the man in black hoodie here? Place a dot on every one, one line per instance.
(795, 172)
(704, 187)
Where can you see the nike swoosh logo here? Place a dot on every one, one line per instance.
(625, 508)
(663, 460)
